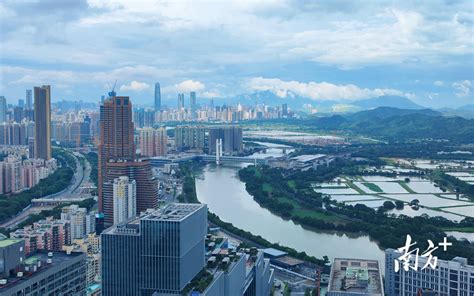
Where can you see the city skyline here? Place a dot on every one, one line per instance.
(324, 51)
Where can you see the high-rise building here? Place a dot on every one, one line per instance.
(232, 139)
(116, 137)
(18, 114)
(139, 117)
(180, 102)
(43, 122)
(125, 199)
(3, 109)
(157, 97)
(21, 103)
(159, 252)
(284, 110)
(149, 118)
(190, 138)
(29, 99)
(153, 142)
(146, 184)
(454, 277)
(193, 104)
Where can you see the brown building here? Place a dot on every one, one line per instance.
(43, 122)
(147, 187)
(117, 157)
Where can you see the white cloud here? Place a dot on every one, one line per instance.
(463, 88)
(185, 86)
(135, 86)
(438, 83)
(211, 94)
(319, 91)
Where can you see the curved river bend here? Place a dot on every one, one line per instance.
(225, 195)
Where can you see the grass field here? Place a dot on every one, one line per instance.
(373, 187)
(302, 212)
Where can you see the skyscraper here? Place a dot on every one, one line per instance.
(192, 103)
(125, 199)
(29, 98)
(160, 252)
(157, 97)
(117, 158)
(43, 122)
(3, 109)
(116, 136)
(180, 102)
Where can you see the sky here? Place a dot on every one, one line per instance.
(323, 50)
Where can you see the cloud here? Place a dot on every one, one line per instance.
(463, 88)
(318, 91)
(438, 83)
(135, 86)
(185, 86)
(211, 94)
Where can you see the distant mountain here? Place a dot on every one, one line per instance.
(387, 101)
(469, 107)
(386, 112)
(466, 111)
(400, 124)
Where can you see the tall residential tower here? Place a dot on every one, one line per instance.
(43, 122)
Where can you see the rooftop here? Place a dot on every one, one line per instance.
(9, 241)
(274, 252)
(172, 212)
(356, 276)
(58, 259)
(308, 157)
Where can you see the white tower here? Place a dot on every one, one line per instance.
(125, 199)
(218, 151)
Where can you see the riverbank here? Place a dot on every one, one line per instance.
(275, 190)
(189, 196)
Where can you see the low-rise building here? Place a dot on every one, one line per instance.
(48, 234)
(41, 272)
(355, 277)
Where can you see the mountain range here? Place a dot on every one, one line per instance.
(399, 124)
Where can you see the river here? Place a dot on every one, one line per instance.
(225, 195)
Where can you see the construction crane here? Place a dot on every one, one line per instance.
(112, 93)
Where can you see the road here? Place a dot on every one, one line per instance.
(81, 178)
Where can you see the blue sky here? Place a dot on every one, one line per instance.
(323, 50)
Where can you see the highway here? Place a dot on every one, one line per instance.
(81, 178)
